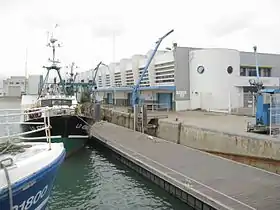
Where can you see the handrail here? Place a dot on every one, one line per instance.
(22, 113)
(24, 133)
(46, 123)
(33, 112)
(21, 123)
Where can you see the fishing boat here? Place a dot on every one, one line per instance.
(27, 169)
(68, 125)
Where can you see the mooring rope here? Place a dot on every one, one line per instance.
(83, 120)
(9, 147)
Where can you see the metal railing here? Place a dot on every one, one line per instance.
(153, 107)
(157, 106)
(274, 115)
(8, 118)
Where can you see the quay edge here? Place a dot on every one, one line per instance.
(197, 180)
(167, 183)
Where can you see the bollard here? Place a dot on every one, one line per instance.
(97, 112)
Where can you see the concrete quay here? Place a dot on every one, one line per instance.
(217, 133)
(202, 180)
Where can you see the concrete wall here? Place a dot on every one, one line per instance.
(182, 78)
(182, 73)
(253, 150)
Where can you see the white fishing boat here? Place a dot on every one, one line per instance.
(68, 125)
(27, 169)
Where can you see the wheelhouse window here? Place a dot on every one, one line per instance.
(56, 102)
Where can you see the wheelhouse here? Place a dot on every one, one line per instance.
(54, 102)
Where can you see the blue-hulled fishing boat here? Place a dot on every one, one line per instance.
(28, 169)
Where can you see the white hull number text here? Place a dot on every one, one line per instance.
(81, 126)
(27, 204)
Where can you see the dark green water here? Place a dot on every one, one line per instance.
(91, 179)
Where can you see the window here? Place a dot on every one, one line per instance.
(200, 69)
(242, 71)
(266, 72)
(17, 83)
(229, 69)
(55, 102)
(252, 72)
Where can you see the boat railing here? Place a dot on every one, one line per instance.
(9, 114)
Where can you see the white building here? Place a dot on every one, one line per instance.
(15, 86)
(189, 78)
(34, 84)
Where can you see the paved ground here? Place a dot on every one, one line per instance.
(216, 121)
(224, 182)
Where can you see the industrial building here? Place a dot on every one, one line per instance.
(15, 86)
(188, 78)
(34, 84)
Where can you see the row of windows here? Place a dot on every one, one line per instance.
(17, 83)
(251, 71)
(166, 74)
(163, 75)
(244, 71)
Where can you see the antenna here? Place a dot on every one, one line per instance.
(25, 83)
(256, 60)
(52, 43)
(48, 36)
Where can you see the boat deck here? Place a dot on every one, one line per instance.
(218, 182)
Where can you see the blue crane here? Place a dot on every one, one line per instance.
(135, 91)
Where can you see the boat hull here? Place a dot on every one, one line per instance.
(34, 191)
(69, 129)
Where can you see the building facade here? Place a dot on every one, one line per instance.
(34, 84)
(15, 86)
(188, 78)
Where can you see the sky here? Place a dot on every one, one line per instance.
(87, 29)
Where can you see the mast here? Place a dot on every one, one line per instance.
(69, 85)
(54, 63)
(73, 76)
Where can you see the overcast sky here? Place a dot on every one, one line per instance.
(86, 28)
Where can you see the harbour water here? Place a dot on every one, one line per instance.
(91, 179)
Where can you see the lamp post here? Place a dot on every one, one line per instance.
(114, 88)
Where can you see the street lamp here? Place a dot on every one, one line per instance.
(114, 88)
